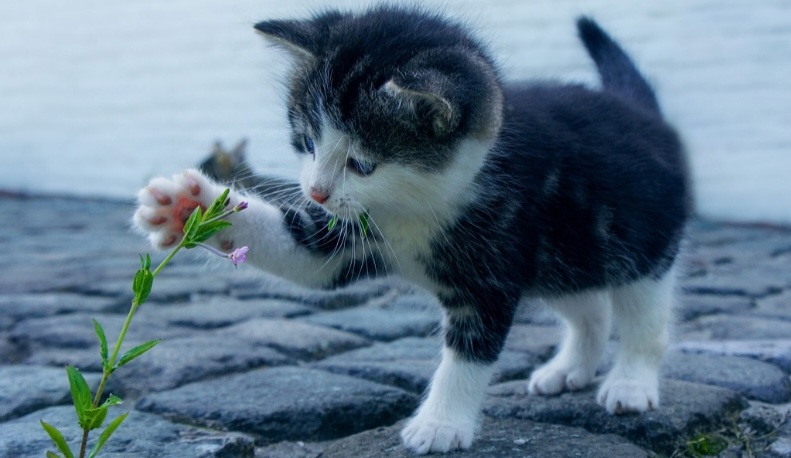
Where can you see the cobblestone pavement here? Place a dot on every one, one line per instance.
(252, 366)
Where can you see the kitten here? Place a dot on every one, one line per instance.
(418, 160)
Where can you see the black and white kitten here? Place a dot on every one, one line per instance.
(418, 160)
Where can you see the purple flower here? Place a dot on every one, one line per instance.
(240, 207)
(238, 255)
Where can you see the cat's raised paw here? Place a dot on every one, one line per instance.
(425, 435)
(622, 396)
(164, 205)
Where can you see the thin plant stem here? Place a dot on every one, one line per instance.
(107, 371)
(127, 322)
(109, 364)
(84, 442)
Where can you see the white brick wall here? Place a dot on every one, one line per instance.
(98, 95)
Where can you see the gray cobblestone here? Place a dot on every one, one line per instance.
(378, 323)
(752, 379)
(28, 388)
(294, 338)
(302, 373)
(501, 438)
(284, 403)
(141, 434)
(685, 407)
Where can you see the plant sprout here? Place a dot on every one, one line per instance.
(200, 226)
(363, 218)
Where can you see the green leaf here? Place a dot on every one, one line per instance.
(80, 393)
(111, 400)
(191, 226)
(135, 352)
(333, 222)
(207, 230)
(106, 434)
(145, 263)
(94, 418)
(141, 285)
(53, 455)
(217, 206)
(58, 439)
(102, 343)
(707, 445)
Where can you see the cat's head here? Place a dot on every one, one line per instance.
(391, 110)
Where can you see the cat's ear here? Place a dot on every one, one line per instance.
(301, 38)
(239, 150)
(297, 37)
(217, 148)
(424, 93)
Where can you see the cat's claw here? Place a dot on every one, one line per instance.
(621, 396)
(424, 435)
(164, 206)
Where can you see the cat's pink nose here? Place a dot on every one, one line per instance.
(319, 196)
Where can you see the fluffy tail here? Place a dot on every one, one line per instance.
(618, 72)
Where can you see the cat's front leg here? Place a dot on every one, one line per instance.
(165, 204)
(448, 417)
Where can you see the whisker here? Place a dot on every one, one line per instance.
(386, 242)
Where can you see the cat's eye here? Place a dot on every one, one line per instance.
(361, 168)
(308, 145)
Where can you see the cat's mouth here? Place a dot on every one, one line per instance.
(345, 209)
(350, 217)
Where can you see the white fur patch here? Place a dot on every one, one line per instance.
(448, 418)
(412, 208)
(407, 208)
(260, 227)
(643, 313)
(587, 319)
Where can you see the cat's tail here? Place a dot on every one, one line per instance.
(618, 72)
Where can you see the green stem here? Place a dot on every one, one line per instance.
(167, 259)
(107, 371)
(222, 215)
(111, 362)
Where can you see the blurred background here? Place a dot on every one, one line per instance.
(97, 96)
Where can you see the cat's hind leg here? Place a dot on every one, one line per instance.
(643, 313)
(587, 320)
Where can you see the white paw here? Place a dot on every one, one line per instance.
(625, 395)
(164, 206)
(423, 435)
(557, 376)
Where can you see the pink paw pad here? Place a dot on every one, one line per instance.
(165, 205)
